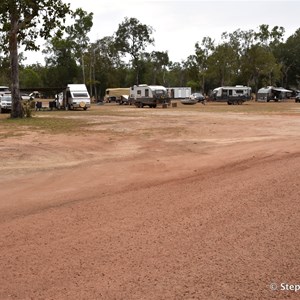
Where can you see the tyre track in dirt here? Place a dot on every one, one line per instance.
(209, 213)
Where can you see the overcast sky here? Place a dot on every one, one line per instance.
(178, 25)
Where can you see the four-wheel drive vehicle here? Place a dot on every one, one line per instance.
(5, 103)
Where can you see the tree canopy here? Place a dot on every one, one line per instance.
(22, 22)
(256, 57)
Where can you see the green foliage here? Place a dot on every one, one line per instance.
(30, 78)
(132, 38)
(22, 22)
(31, 19)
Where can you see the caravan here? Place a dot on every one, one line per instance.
(74, 96)
(118, 95)
(272, 93)
(149, 95)
(179, 92)
(232, 94)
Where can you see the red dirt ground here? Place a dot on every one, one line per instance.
(174, 203)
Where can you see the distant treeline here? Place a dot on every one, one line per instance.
(253, 58)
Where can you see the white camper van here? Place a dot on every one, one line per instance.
(148, 95)
(74, 96)
(232, 94)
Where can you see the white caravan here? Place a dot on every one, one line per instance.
(232, 94)
(74, 96)
(272, 93)
(179, 92)
(148, 95)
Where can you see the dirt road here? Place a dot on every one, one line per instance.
(177, 203)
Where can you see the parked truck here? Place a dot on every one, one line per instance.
(232, 94)
(73, 97)
(149, 95)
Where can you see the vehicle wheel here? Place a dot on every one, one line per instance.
(154, 105)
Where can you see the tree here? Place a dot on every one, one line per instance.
(22, 22)
(60, 62)
(159, 61)
(78, 34)
(30, 78)
(288, 55)
(132, 38)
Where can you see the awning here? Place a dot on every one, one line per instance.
(282, 90)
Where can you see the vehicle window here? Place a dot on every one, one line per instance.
(6, 98)
(80, 95)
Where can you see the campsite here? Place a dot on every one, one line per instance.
(118, 202)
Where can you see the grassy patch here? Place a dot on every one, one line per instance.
(11, 127)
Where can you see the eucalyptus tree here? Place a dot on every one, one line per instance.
(21, 23)
(106, 68)
(159, 62)
(197, 64)
(255, 62)
(222, 64)
(133, 37)
(78, 33)
(60, 61)
(269, 37)
(287, 53)
(30, 78)
(260, 66)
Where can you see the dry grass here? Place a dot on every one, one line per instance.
(57, 122)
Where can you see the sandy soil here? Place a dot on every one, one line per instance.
(177, 203)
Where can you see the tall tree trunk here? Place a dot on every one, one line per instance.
(17, 110)
(83, 71)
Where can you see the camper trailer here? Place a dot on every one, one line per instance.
(73, 97)
(118, 95)
(179, 92)
(148, 95)
(232, 94)
(272, 93)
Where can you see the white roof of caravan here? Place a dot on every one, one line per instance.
(264, 90)
(157, 87)
(77, 87)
